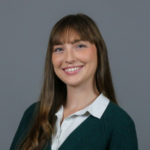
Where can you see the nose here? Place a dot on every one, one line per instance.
(70, 56)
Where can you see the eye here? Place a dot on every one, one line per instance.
(57, 49)
(81, 45)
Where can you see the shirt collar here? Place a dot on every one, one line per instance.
(96, 108)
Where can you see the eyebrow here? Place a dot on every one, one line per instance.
(72, 42)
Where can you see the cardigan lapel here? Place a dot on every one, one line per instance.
(74, 132)
(78, 133)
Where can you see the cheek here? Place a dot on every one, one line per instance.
(56, 60)
(89, 55)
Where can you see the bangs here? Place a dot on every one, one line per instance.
(77, 28)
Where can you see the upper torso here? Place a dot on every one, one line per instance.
(104, 128)
(68, 121)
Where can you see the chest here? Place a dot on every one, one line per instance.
(90, 134)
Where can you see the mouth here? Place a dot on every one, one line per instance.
(73, 71)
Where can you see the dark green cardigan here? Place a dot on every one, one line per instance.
(115, 130)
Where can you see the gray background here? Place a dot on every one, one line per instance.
(24, 31)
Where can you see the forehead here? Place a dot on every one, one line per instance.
(68, 37)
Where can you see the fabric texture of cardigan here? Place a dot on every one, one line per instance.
(115, 130)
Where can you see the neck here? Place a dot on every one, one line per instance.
(81, 97)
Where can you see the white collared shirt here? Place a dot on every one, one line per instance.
(96, 109)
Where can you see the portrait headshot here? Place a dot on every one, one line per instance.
(75, 77)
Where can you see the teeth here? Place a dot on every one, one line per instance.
(72, 69)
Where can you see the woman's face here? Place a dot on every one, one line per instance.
(75, 53)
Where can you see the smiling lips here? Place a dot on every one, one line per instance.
(72, 70)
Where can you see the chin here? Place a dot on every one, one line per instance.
(74, 84)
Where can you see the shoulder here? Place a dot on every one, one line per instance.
(120, 127)
(24, 125)
(29, 115)
(117, 116)
(31, 109)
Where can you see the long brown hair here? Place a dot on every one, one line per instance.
(54, 91)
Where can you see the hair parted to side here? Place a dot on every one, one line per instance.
(54, 91)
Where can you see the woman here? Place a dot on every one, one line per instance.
(77, 108)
